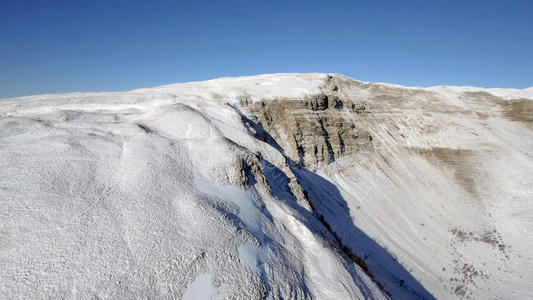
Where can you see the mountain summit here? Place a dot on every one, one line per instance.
(281, 186)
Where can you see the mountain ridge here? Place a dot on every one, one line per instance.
(285, 185)
(527, 92)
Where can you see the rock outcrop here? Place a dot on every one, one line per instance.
(313, 130)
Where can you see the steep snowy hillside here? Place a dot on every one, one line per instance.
(283, 186)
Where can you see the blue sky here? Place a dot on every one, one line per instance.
(66, 46)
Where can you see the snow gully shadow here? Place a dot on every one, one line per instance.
(330, 217)
(333, 212)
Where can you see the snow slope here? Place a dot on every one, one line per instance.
(292, 186)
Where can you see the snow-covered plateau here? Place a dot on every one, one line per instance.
(282, 186)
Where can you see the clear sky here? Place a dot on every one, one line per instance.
(65, 46)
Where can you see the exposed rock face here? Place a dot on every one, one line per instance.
(342, 121)
(317, 129)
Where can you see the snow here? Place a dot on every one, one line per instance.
(500, 92)
(90, 107)
(138, 195)
(252, 256)
(266, 86)
(203, 289)
(249, 212)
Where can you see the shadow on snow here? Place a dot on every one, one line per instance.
(330, 213)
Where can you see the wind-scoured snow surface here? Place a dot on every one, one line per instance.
(199, 191)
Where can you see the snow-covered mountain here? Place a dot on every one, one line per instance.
(283, 186)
